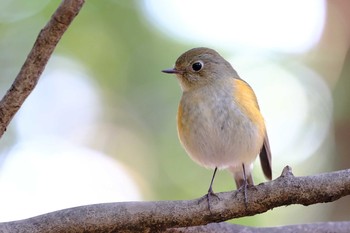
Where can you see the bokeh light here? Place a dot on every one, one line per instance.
(42, 176)
(13, 10)
(65, 94)
(50, 167)
(287, 26)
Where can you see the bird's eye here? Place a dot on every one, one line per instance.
(197, 66)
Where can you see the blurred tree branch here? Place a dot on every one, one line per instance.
(162, 215)
(36, 61)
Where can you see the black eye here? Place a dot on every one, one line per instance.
(197, 66)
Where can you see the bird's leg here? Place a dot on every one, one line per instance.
(210, 190)
(245, 183)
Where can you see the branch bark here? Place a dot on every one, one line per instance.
(36, 61)
(162, 215)
(327, 227)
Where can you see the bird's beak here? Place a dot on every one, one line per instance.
(172, 71)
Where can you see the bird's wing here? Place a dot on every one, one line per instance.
(247, 96)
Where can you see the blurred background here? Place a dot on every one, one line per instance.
(101, 124)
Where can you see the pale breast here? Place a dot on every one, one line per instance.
(215, 131)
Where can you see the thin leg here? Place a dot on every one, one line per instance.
(210, 190)
(245, 187)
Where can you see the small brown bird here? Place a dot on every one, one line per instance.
(219, 122)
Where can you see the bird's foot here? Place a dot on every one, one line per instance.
(209, 195)
(244, 189)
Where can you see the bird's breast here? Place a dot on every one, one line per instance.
(215, 130)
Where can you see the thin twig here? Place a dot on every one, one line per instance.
(36, 61)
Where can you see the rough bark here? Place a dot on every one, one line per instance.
(327, 227)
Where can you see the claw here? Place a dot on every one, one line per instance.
(210, 190)
(208, 195)
(244, 187)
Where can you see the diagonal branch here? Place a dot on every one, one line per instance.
(36, 60)
(161, 215)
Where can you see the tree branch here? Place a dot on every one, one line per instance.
(327, 227)
(36, 60)
(161, 215)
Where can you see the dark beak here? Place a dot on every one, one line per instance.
(171, 71)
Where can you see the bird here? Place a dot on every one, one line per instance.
(219, 122)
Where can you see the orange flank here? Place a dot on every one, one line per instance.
(246, 100)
